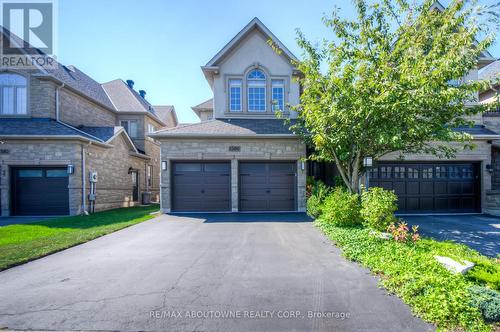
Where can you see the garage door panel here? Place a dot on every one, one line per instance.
(40, 191)
(427, 187)
(267, 186)
(201, 186)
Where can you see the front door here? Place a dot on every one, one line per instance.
(135, 186)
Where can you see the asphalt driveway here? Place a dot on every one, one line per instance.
(480, 232)
(268, 272)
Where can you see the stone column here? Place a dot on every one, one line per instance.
(301, 187)
(165, 189)
(234, 185)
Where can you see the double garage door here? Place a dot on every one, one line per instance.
(431, 187)
(206, 186)
(37, 191)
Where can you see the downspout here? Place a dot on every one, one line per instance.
(57, 100)
(84, 180)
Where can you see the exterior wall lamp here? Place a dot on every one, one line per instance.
(163, 165)
(368, 162)
(70, 169)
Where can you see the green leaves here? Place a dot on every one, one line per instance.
(385, 83)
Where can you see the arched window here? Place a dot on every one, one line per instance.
(12, 94)
(256, 86)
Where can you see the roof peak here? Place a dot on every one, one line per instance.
(254, 23)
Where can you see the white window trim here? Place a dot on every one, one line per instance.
(279, 84)
(238, 85)
(14, 96)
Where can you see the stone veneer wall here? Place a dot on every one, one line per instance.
(152, 149)
(78, 111)
(218, 149)
(47, 153)
(114, 186)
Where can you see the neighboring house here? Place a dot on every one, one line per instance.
(244, 159)
(492, 120)
(205, 110)
(57, 127)
(240, 157)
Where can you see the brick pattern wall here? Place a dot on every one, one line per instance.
(42, 98)
(114, 186)
(78, 111)
(218, 149)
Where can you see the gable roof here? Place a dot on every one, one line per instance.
(491, 72)
(255, 23)
(126, 99)
(207, 105)
(167, 114)
(230, 128)
(71, 76)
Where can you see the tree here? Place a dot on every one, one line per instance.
(391, 80)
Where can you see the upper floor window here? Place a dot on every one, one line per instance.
(130, 127)
(278, 95)
(256, 82)
(151, 128)
(13, 94)
(235, 95)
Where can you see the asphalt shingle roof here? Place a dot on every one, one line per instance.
(69, 75)
(103, 133)
(38, 127)
(231, 127)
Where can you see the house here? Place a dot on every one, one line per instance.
(70, 145)
(240, 157)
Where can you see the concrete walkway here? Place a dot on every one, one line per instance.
(269, 272)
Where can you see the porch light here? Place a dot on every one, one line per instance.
(70, 169)
(302, 165)
(368, 162)
(163, 165)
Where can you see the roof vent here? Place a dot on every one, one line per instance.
(142, 93)
(130, 84)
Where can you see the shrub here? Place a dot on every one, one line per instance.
(487, 301)
(319, 191)
(377, 208)
(314, 206)
(341, 208)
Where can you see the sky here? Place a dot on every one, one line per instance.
(161, 45)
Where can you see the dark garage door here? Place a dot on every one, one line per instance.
(201, 186)
(39, 191)
(436, 187)
(267, 186)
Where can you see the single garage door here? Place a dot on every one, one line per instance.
(267, 186)
(201, 186)
(431, 187)
(38, 191)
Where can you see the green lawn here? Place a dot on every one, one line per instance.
(25, 242)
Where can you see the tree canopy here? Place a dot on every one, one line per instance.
(392, 79)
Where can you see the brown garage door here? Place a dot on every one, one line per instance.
(431, 187)
(267, 186)
(201, 186)
(39, 191)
